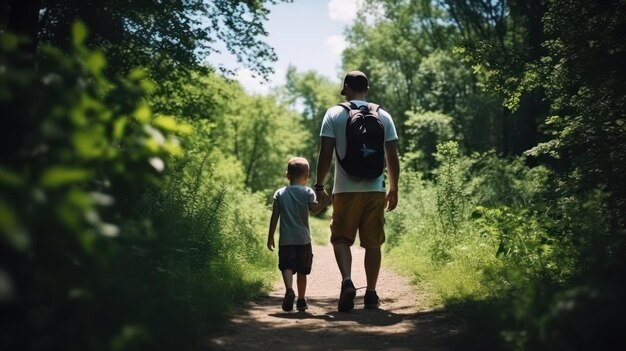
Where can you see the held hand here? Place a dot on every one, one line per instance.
(322, 197)
(328, 199)
(391, 201)
(270, 244)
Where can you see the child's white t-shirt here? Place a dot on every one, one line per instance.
(293, 202)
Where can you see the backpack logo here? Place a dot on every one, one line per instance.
(367, 152)
(365, 142)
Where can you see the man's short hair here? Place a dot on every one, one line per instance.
(357, 81)
(297, 166)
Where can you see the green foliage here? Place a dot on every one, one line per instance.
(507, 181)
(163, 36)
(417, 215)
(261, 135)
(445, 268)
(80, 147)
(522, 240)
(406, 50)
(425, 130)
(314, 94)
(452, 191)
(195, 95)
(112, 235)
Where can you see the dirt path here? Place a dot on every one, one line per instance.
(399, 324)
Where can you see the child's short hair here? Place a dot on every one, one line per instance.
(297, 166)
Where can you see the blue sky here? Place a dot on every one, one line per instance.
(308, 34)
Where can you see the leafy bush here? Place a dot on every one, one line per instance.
(425, 130)
(506, 181)
(99, 250)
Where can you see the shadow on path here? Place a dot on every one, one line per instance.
(400, 323)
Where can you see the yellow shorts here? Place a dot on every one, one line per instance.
(362, 211)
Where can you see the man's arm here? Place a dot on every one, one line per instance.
(324, 157)
(393, 170)
(273, 224)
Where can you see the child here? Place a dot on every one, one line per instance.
(293, 204)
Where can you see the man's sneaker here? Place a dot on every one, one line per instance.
(371, 300)
(346, 298)
(301, 305)
(288, 300)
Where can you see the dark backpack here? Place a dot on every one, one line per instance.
(365, 137)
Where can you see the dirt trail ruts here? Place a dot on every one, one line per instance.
(399, 324)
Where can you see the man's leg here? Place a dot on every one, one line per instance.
(343, 255)
(372, 237)
(343, 231)
(372, 267)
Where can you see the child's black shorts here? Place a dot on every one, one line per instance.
(298, 258)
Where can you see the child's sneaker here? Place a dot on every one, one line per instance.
(301, 305)
(371, 300)
(346, 298)
(288, 300)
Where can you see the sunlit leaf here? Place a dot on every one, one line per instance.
(151, 145)
(143, 113)
(184, 128)
(137, 74)
(118, 127)
(89, 142)
(96, 61)
(147, 85)
(59, 175)
(166, 122)
(80, 199)
(172, 146)
(79, 33)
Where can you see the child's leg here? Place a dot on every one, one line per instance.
(288, 278)
(301, 281)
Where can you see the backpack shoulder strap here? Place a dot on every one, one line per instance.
(373, 107)
(348, 106)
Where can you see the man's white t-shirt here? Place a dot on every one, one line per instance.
(334, 126)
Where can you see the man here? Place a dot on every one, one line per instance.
(358, 203)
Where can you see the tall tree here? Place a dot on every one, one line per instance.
(313, 94)
(152, 33)
(505, 34)
(387, 42)
(262, 134)
(405, 47)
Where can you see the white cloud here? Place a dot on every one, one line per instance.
(336, 43)
(249, 82)
(255, 85)
(343, 10)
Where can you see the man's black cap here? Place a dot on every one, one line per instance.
(356, 80)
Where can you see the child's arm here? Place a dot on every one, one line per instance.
(273, 223)
(316, 207)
